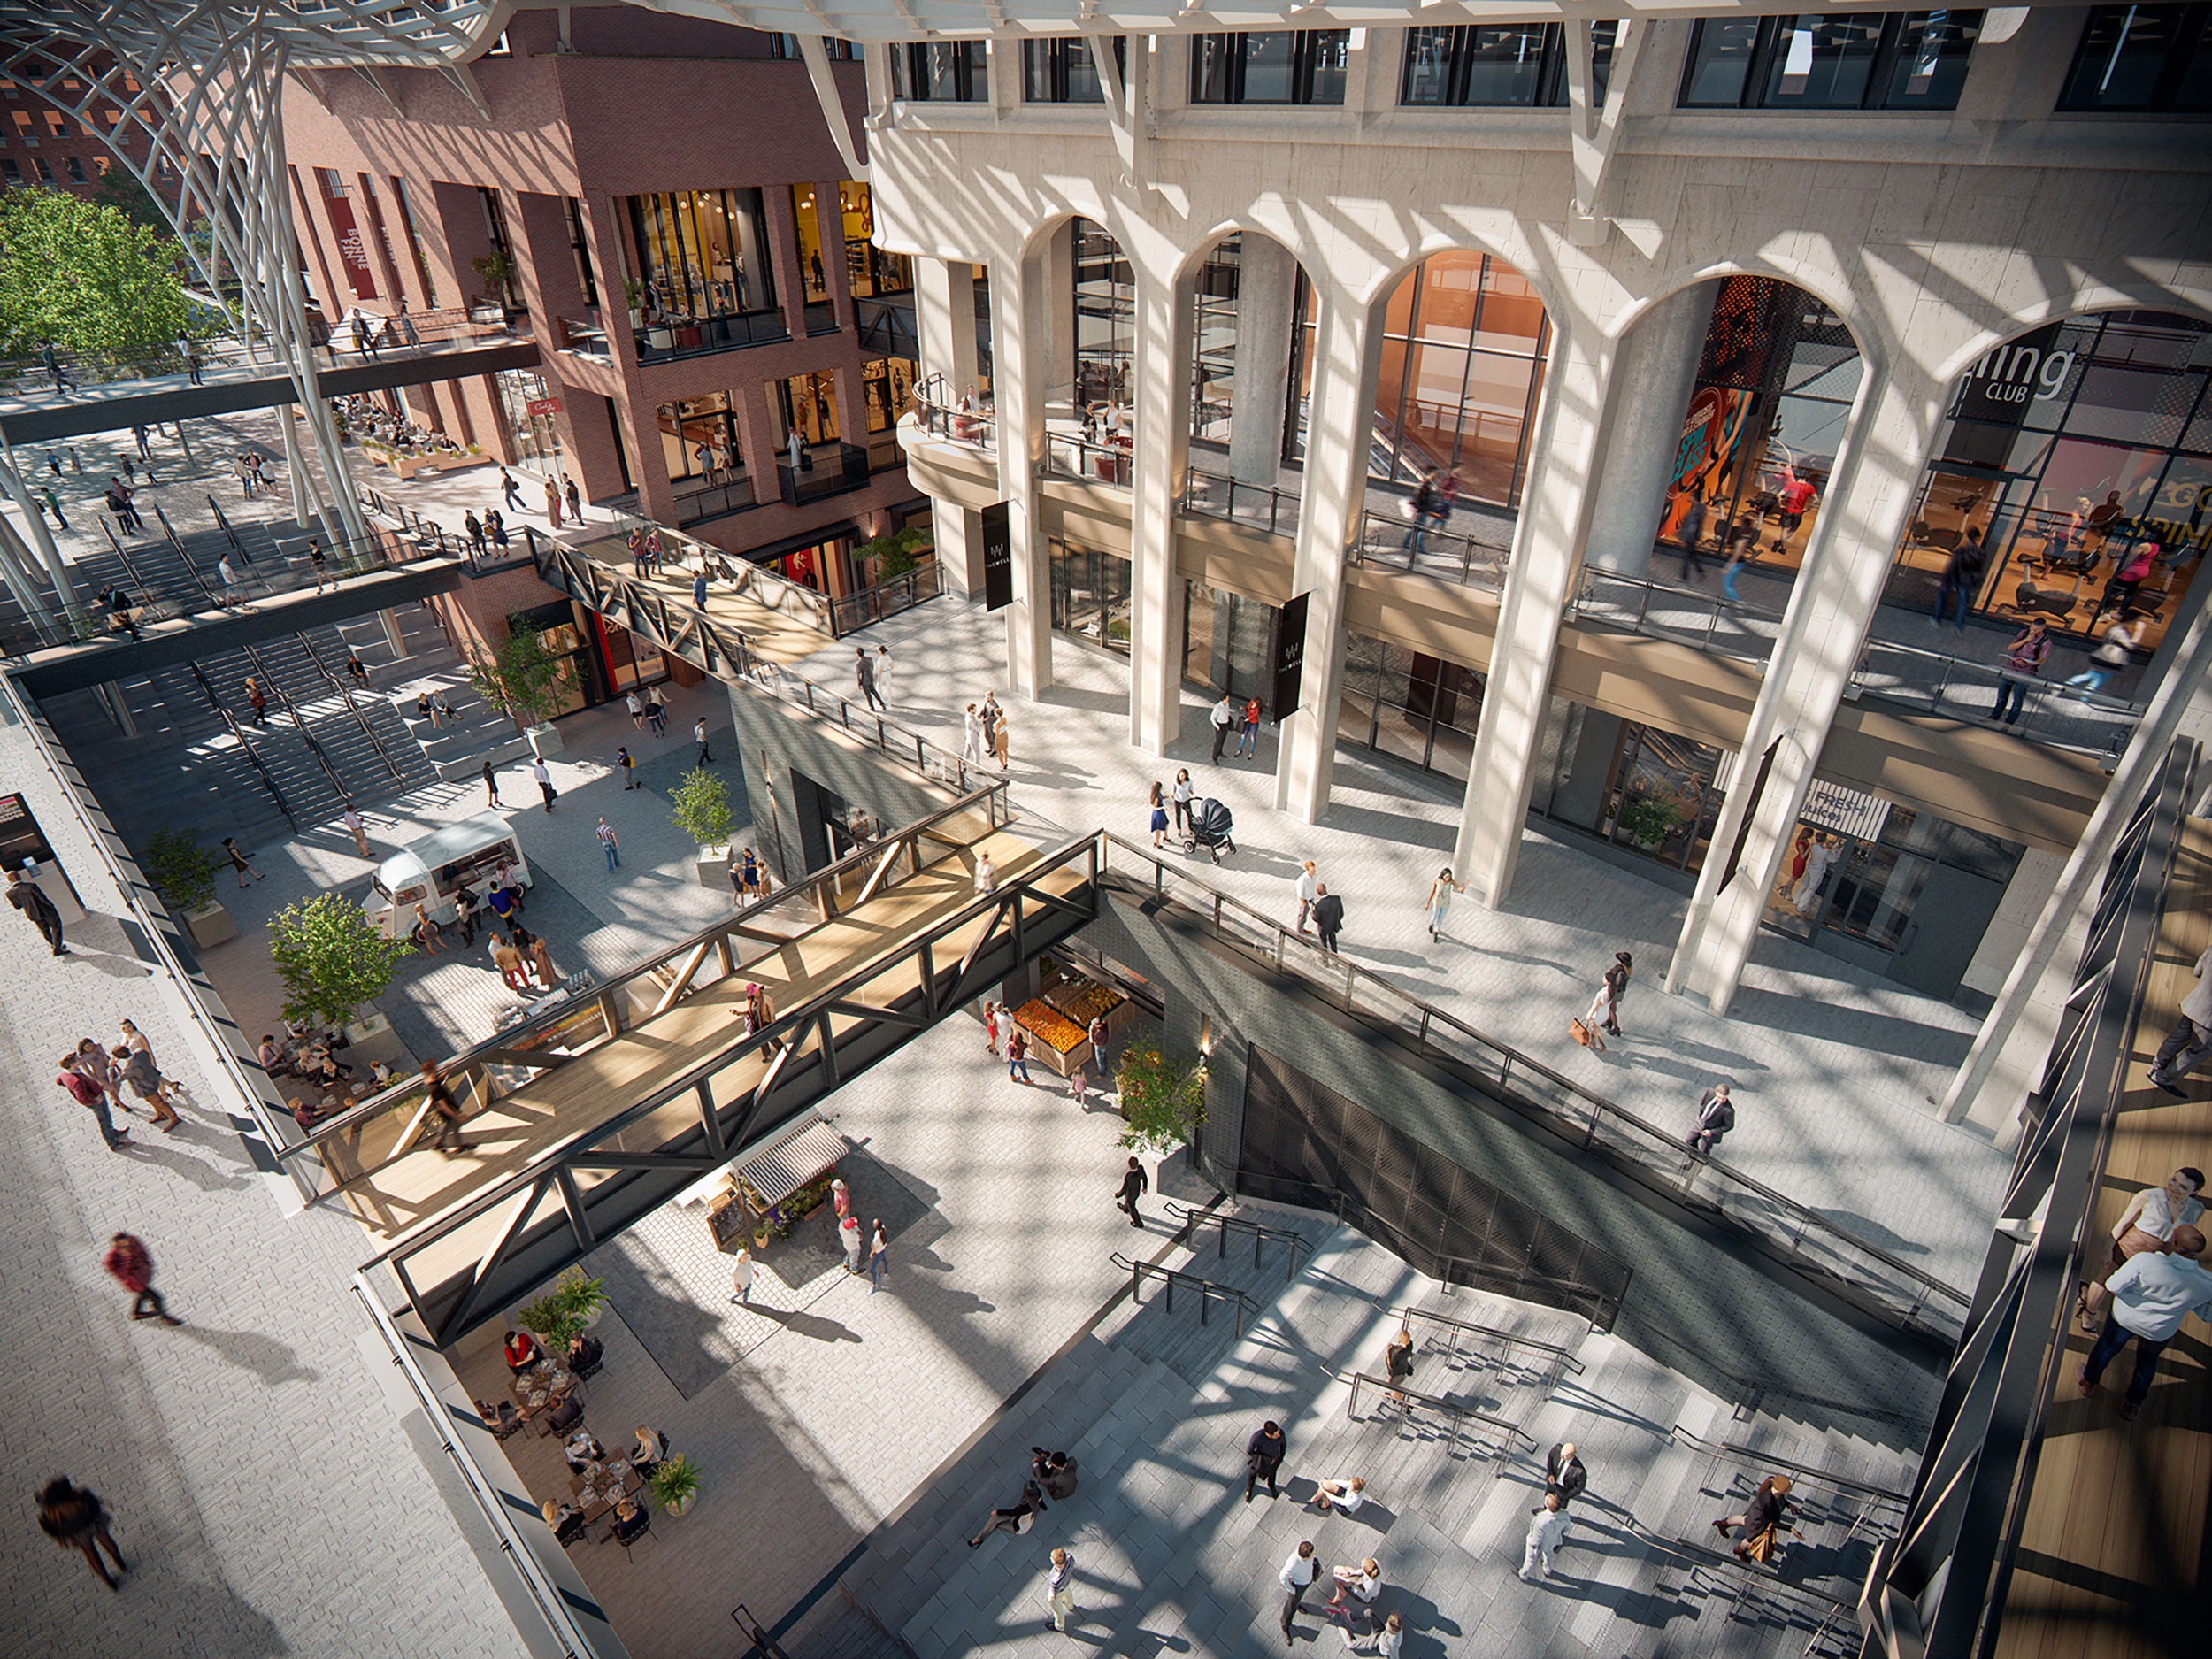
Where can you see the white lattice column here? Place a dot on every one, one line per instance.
(1165, 310)
(33, 520)
(1018, 329)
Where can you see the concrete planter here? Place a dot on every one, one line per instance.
(210, 926)
(713, 865)
(372, 1039)
(545, 741)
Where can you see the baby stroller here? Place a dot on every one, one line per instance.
(1210, 825)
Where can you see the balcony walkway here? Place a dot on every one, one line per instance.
(774, 629)
(2112, 1547)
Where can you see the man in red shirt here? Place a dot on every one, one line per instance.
(1798, 497)
(88, 1094)
(130, 1264)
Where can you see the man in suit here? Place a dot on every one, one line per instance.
(24, 895)
(1328, 915)
(1716, 1116)
(1564, 1474)
(1135, 1185)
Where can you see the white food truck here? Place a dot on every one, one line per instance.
(429, 872)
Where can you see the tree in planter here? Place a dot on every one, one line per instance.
(549, 1319)
(580, 1296)
(523, 677)
(894, 554)
(332, 962)
(701, 807)
(675, 1482)
(182, 871)
(1163, 1098)
(498, 272)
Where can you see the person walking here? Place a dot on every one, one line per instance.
(2177, 1055)
(1308, 889)
(1224, 718)
(465, 912)
(1716, 1116)
(656, 715)
(1158, 821)
(1248, 739)
(509, 490)
(1419, 510)
(742, 1278)
(575, 498)
(2151, 1296)
(1546, 1532)
(1328, 915)
(1687, 534)
(1398, 1363)
(1616, 989)
(699, 736)
(1060, 1589)
(1564, 1476)
(1181, 793)
(1961, 576)
(238, 861)
(1078, 1084)
(75, 1517)
(849, 1236)
(2113, 653)
(52, 360)
(1135, 1185)
(986, 874)
(990, 1026)
(864, 672)
(258, 701)
(130, 1264)
(609, 845)
(1012, 1517)
(1263, 1459)
(93, 1097)
(1743, 542)
(878, 1257)
(636, 706)
(358, 670)
(491, 787)
(1763, 1521)
(1017, 1055)
(426, 933)
(1296, 1577)
(474, 526)
(971, 736)
(136, 1066)
(53, 505)
(1000, 738)
(1439, 901)
(699, 590)
(37, 909)
(357, 829)
(883, 673)
(2024, 657)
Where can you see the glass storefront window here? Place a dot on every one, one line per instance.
(1662, 796)
(699, 438)
(2071, 449)
(868, 268)
(701, 253)
(1408, 705)
(1105, 318)
(886, 383)
(1090, 595)
(809, 403)
(1464, 344)
(813, 275)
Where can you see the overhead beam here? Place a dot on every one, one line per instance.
(814, 51)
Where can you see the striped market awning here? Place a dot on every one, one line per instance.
(789, 1165)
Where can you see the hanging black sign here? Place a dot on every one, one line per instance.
(998, 559)
(1290, 657)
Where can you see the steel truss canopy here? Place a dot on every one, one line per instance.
(422, 33)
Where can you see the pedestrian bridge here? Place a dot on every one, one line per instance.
(589, 1116)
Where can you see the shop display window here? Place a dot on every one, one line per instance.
(869, 269)
(702, 254)
(1408, 705)
(1091, 596)
(885, 384)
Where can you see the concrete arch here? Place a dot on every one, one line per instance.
(1875, 344)
(1540, 274)
(1982, 342)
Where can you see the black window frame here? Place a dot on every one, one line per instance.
(2172, 92)
(1049, 63)
(1308, 47)
(970, 72)
(1891, 51)
(1459, 42)
(784, 47)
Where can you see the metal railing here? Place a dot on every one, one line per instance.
(737, 574)
(246, 748)
(1206, 1292)
(1673, 611)
(2053, 714)
(844, 468)
(1752, 1211)
(1385, 542)
(1071, 455)
(564, 1026)
(1225, 1223)
(584, 338)
(697, 336)
(938, 416)
(345, 693)
(888, 598)
(1510, 1435)
(1490, 1333)
(1262, 506)
(706, 499)
(1941, 1587)
(1752, 1457)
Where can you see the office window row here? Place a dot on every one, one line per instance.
(2131, 59)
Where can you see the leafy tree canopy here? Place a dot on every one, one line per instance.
(86, 277)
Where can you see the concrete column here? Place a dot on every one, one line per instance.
(1869, 501)
(1348, 357)
(1017, 314)
(1656, 377)
(944, 306)
(1059, 258)
(1165, 309)
(1267, 286)
(40, 537)
(829, 223)
(1571, 431)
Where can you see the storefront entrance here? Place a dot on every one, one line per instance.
(1090, 595)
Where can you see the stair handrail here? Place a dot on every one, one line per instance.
(1207, 1289)
(131, 571)
(1261, 1231)
(1794, 1467)
(284, 698)
(1345, 977)
(246, 744)
(1407, 1314)
(1513, 1431)
(345, 695)
(229, 534)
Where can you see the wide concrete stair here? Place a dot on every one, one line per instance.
(1170, 1558)
(454, 752)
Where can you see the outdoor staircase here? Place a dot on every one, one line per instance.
(454, 752)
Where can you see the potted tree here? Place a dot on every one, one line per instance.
(498, 272)
(581, 1297)
(333, 964)
(675, 1483)
(1646, 821)
(1163, 1098)
(701, 809)
(183, 874)
(550, 1320)
(527, 680)
(633, 296)
(894, 554)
